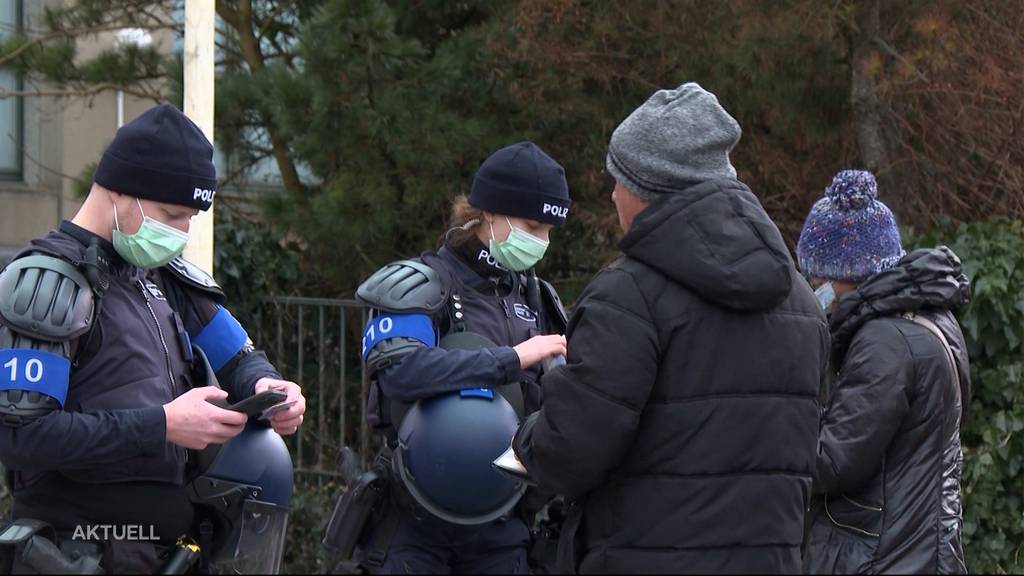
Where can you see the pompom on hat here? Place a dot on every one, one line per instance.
(849, 235)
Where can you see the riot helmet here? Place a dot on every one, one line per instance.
(242, 503)
(447, 443)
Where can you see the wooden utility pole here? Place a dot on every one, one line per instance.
(199, 81)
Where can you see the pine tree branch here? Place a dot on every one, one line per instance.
(161, 22)
(67, 34)
(237, 173)
(241, 20)
(289, 59)
(270, 19)
(80, 92)
(125, 13)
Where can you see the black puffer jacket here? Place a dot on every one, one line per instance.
(889, 461)
(684, 424)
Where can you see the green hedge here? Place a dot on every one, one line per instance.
(993, 435)
(312, 504)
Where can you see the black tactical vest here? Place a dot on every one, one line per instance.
(135, 357)
(500, 313)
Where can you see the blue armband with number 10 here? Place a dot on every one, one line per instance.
(35, 371)
(387, 326)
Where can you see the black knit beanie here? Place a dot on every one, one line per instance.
(161, 156)
(522, 181)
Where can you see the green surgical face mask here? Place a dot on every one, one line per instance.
(154, 245)
(520, 251)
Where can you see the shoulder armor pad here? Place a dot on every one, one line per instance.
(554, 306)
(46, 298)
(404, 286)
(195, 277)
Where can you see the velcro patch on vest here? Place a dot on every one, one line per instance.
(477, 393)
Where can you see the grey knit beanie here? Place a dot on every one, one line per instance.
(676, 139)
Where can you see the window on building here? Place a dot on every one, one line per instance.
(10, 108)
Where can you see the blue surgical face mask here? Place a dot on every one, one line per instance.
(826, 295)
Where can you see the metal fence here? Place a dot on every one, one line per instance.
(315, 342)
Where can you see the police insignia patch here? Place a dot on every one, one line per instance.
(155, 291)
(524, 313)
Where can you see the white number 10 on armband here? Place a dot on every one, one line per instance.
(33, 369)
(375, 330)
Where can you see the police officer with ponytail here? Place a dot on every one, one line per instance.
(454, 350)
(107, 337)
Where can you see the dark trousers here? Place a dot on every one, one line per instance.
(429, 545)
(134, 557)
(113, 557)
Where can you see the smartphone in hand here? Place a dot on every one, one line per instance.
(256, 404)
(277, 409)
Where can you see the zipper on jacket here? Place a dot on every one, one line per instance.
(862, 506)
(160, 333)
(508, 320)
(847, 526)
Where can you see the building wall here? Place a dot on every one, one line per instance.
(61, 137)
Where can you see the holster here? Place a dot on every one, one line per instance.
(31, 547)
(570, 541)
(355, 506)
(543, 554)
(544, 537)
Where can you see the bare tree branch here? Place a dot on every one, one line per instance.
(895, 54)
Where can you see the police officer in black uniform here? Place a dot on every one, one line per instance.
(98, 320)
(480, 282)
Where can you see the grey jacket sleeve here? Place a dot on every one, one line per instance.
(868, 403)
(592, 405)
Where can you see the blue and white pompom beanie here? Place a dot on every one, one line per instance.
(849, 235)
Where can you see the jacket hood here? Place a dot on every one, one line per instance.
(925, 279)
(716, 239)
